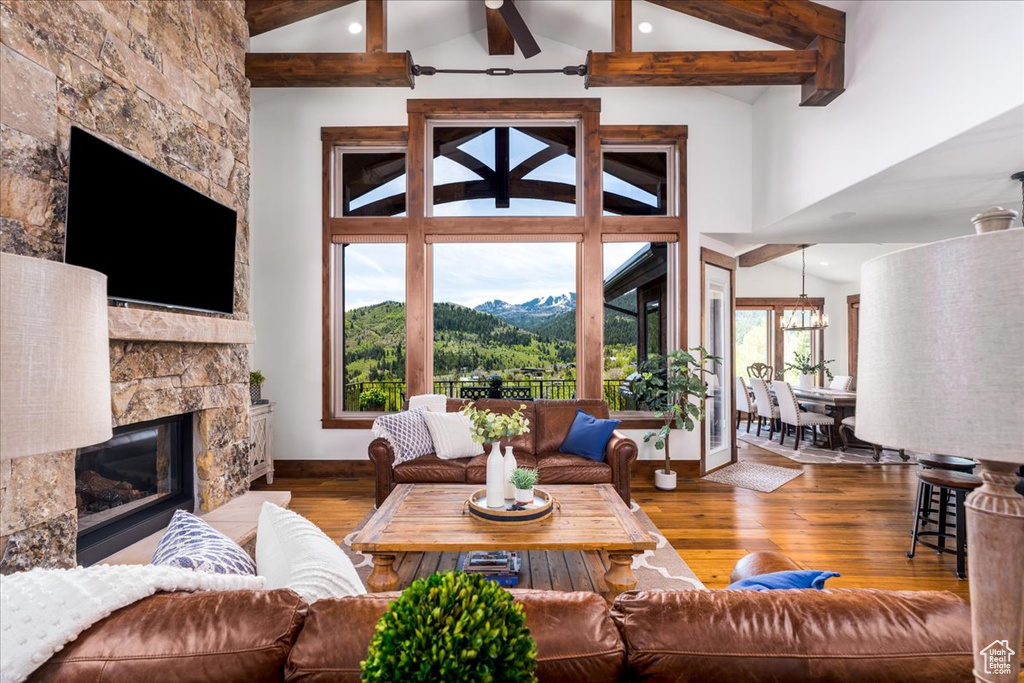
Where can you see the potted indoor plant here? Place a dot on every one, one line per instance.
(452, 627)
(523, 481)
(373, 399)
(674, 386)
(488, 427)
(256, 380)
(802, 364)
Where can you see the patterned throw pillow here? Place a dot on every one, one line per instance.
(191, 543)
(406, 432)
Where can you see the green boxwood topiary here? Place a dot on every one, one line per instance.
(452, 627)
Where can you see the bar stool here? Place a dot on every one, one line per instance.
(943, 462)
(947, 482)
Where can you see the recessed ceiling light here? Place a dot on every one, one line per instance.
(494, 4)
(355, 27)
(645, 27)
(824, 263)
(842, 216)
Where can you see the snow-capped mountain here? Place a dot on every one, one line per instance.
(530, 314)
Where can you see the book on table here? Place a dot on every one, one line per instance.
(501, 566)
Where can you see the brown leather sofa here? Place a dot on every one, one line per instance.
(705, 635)
(550, 420)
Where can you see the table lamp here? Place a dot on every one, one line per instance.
(941, 371)
(54, 357)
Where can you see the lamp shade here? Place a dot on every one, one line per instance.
(54, 357)
(940, 366)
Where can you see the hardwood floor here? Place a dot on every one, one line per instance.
(852, 519)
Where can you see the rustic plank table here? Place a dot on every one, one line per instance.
(593, 524)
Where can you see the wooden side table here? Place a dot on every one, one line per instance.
(261, 442)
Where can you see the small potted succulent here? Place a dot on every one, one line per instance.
(256, 380)
(524, 480)
(373, 399)
(452, 627)
(803, 365)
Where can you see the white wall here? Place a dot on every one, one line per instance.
(770, 280)
(917, 74)
(286, 224)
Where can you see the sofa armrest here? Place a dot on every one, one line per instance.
(761, 562)
(620, 453)
(382, 455)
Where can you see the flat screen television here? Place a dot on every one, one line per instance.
(157, 240)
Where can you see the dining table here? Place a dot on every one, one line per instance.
(843, 404)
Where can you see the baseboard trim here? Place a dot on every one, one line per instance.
(687, 469)
(320, 469)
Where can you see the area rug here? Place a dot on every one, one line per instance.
(812, 455)
(658, 569)
(753, 475)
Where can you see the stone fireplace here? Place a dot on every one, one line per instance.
(165, 82)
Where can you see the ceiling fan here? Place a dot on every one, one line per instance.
(516, 26)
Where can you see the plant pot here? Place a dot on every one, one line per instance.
(254, 392)
(524, 495)
(666, 481)
(807, 381)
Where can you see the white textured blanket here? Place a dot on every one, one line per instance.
(42, 610)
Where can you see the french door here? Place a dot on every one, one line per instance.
(719, 435)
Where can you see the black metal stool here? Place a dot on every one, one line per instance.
(947, 482)
(943, 462)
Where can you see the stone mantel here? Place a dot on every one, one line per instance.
(132, 324)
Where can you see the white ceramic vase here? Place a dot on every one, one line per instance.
(524, 495)
(510, 467)
(495, 477)
(807, 381)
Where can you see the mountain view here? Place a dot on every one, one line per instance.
(536, 338)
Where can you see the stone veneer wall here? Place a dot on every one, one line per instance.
(164, 81)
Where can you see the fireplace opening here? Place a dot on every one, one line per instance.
(129, 487)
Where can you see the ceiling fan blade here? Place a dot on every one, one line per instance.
(514, 20)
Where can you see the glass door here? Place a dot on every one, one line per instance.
(718, 429)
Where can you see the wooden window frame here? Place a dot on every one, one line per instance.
(590, 230)
(778, 305)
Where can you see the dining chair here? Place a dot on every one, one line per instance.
(764, 406)
(790, 414)
(841, 382)
(745, 403)
(760, 370)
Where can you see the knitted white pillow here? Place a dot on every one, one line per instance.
(452, 434)
(291, 552)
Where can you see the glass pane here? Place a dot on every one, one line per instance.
(505, 320)
(374, 334)
(752, 341)
(794, 342)
(717, 338)
(372, 184)
(635, 280)
(635, 183)
(504, 171)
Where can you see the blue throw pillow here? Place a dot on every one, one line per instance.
(803, 578)
(588, 436)
(191, 543)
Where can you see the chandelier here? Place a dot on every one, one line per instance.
(804, 316)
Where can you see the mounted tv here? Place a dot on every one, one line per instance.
(157, 240)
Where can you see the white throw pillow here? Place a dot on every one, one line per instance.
(435, 403)
(452, 434)
(291, 552)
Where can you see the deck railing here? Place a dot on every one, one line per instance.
(394, 391)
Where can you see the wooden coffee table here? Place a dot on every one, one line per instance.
(429, 518)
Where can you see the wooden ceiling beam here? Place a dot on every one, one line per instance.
(622, 25)
(329, 69)
(792, 23)
(499, 38)
(766, 253)
(266, 15)
(376, 26)
(829, 80)
(752, 67)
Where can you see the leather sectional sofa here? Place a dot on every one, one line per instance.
(550, 420)
(696, 635)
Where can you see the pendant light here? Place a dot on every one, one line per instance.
(804, 316)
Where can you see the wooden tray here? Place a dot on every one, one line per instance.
(543, 504)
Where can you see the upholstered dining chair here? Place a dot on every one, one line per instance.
(790, 414)
(745, 402)
(764, 406)
(841, 382)
(760, 370)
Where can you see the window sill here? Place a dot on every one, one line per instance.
(350, 420)
(637, 419)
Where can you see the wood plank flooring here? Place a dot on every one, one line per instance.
(852, 519)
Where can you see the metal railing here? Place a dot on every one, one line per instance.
(393, 391)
